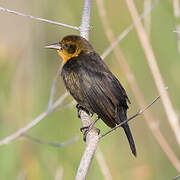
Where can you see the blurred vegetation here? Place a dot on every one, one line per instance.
(26, 74)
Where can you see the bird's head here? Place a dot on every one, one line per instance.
(71, 46)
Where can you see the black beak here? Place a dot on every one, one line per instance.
(56, 46)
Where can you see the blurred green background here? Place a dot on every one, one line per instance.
(26, 74)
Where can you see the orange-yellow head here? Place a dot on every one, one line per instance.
(71, 46)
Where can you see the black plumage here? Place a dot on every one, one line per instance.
(93, 85)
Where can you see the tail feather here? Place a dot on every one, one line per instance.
(130, 139)
(121, 114)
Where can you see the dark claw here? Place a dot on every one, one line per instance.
(86, 129)
(85, 134)
(79, 107)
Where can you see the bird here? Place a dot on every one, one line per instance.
(92, 84)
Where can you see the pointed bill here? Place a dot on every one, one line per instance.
(56, 46)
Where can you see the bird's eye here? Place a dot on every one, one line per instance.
(70, 48)
(67, 45)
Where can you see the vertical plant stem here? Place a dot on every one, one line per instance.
(172, 116)
(92, 138)
(150, 119)
(176, 8)
(147, 19)
(103, 165)
(85, 21)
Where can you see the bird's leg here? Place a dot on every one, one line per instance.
(90, 126)
(86, 129)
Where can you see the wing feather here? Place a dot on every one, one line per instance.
(102, 90)
(94, 87)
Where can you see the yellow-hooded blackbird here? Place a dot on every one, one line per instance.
(92, 84)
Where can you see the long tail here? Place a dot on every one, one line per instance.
(121, 114)
(130, 138)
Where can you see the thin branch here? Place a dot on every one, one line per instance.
(150, 120)
(60, 100)
(129, 119)
(147, 19)
(176, 31)
(176, 177)
(53, 89)
(59, 174)
(127, 30)
(176, 7)
(92, 136)
(51, 106)
(91, 146)
(38, 19)
(22, 175)
(54, 144)
(103, 165)
(178, 36)
(171, 114)
(85, 21)
(69, 105)
(34, 122)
